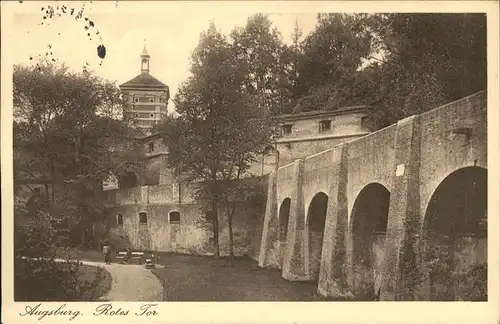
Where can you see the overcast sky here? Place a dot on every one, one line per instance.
(172, 31)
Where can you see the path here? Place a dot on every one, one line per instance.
(130, 283)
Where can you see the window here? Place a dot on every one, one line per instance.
(151, 99)
(151, 147)
(325, 126)
(136, 99)
(119, 219)
(286, 129)
(174, 217)
(143, 218)
(151, 115)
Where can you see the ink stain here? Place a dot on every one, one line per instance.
(101, 51)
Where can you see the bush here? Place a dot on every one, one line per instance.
(48, 280)
(473, 283)
(38, 277)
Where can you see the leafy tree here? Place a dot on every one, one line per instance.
(429, 59)
(402, 64)
(219, 131)
(333, 52)
(260, 51)
(67, 134)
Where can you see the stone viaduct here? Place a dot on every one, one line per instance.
(358, 218)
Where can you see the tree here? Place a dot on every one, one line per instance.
(67, 135)
(261, 53)
(219, 130)
(430, 59)
(332, 52)
(401, 64)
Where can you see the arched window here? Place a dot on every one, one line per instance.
(119, 219)
(174, 217)
(143, 218)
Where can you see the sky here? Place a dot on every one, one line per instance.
(171, 29)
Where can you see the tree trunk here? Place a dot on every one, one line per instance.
(53, 183)
(215, 223)
(230, 229)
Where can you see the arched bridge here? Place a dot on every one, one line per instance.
(365, 218)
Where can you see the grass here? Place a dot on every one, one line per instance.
(205, 278)
(88, 273)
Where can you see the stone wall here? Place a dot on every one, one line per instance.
(409, 160)
(191, 234)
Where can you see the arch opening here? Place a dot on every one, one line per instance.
(316, 218)
(369, 224)
(283, 216)
(128, 180)
(455, 237)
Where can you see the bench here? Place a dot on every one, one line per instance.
(135, 257)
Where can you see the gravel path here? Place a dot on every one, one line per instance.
(131, 283)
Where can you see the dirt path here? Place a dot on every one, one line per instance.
(131, 283)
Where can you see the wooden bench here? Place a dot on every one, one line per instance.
(136, 257)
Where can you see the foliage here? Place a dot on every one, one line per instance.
(49, 280)
(401, 64)
(37, 275)
(468, 283)
(219, 131)
(261, 54)
(67, 135)
(332, 52)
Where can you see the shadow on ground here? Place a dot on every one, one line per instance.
(204, 278)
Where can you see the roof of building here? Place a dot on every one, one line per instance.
(321, 113)
(144, 80)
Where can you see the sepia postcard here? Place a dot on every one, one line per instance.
(309, 162)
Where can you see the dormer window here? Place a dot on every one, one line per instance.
(325, 126)
(286, 129)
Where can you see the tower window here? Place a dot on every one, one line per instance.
(119, 219)
(325, 126)
(286, 129)
(143, 218)
(174, 217)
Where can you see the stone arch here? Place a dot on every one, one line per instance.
(315, 228)
(283, 217)
(368, 228)
(455, 236)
